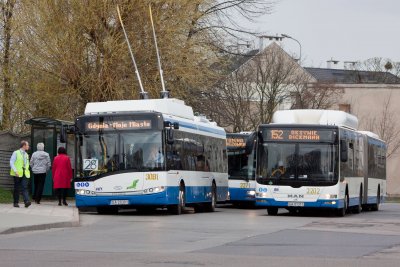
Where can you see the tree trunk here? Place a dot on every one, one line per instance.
(7, 102)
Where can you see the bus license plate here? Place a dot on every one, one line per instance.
(119, 202)
(296, 204)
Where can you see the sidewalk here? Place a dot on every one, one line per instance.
(37, 217)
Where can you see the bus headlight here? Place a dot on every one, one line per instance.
(261, 195)
(251, 193)
(84, 192)
(153, 190)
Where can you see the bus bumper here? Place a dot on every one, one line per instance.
(320, 203)
(168, 197)
(194, 194)
(241, 194)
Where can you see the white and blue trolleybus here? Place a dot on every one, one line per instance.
(241, 167)
(149, 153)
(317, 159)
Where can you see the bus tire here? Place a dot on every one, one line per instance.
(210, 207)
(107, 210)
(272, 211)
(357, 209)
(342, 211)
(375, 207)
(179, 208)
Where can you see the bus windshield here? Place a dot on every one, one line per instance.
(240, 165)
(101, 153)
(298, 163)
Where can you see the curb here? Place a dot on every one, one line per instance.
(73, 223)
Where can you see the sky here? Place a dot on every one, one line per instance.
(345, 30)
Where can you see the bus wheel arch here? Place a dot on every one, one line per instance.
(375, 207)
(346, 199)
(358, 208)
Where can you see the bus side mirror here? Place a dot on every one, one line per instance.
(260, 137)
(343, 151)
(170, 136)
(176, 125)
(63, 134)
(250, 143)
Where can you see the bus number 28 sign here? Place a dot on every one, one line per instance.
(90, 164)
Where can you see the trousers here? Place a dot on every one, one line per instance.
(62, 194)
(21, 182)
(39, 179)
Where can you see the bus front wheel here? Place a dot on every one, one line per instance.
(375, 207)
(210, 207)
(178, 209)
(342, 212)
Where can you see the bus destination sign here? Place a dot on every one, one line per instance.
(235, 142)
(118, 125)
(299, 135)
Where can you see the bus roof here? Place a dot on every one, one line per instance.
(315, 117)
(371, 134)
(170, 106)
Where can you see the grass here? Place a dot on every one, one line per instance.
(392, 199)
(6, 196)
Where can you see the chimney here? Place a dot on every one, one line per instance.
(349, 65)
(270, 39)
(330, 64)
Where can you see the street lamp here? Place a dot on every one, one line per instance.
(290, 37)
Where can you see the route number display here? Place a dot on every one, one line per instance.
(90, 164)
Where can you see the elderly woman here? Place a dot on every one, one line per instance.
(62, 175)
(40, 164)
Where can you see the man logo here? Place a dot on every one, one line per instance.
(117, 187)
(295, 196)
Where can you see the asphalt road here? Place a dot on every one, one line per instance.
(228, 237)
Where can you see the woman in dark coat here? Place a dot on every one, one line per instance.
(62, 175)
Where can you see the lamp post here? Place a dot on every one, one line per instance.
(290, 37)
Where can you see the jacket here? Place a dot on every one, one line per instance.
(20, 161)
(62, 172)
(40, 162)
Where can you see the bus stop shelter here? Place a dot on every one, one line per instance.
(48, 131)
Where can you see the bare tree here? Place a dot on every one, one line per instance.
(379, 64)
(274, 73)
(230, 102)
(315, 95)
(385, 124)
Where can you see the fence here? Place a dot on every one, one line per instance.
(6, 182)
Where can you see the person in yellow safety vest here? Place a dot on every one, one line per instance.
(19, 164)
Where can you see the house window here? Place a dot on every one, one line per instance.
(344, 107)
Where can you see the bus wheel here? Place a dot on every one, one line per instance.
(375, 207)
(178, 209)
(342, 212)
(272, 211)
(107, 210)
(357, 209)
(210, 207)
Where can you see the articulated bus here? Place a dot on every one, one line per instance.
(146, 154)
(241, 167)
(317, 159)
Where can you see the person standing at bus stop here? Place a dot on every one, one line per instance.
(40, 163)
(62, 175)
(19, 164)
